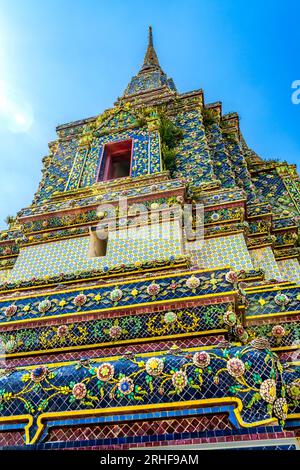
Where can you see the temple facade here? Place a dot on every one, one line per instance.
(125, 324)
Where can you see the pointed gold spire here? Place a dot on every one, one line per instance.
(150, 61)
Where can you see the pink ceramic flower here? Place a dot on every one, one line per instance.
(278, 331)
(105, 372)
(79, 391)
(62, 331)
(10, 311)
(80, 300)
(235, 367)
(115, 332)
(39, 373)
(232, 277)
(239, 331)
(201, 359)
(153, 289)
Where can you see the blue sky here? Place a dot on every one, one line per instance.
(66, 60)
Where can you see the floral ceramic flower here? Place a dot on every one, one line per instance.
(278, 331)
(201, 359)
(260, 343)
(153, 289)
(80, 300)
(79, 391)
(229, 318)
(267, 390)
(281, 299)
(10, 346)
(62, 331)
(280, 408)
(293, 389)
(215, 216)
(170, 317)
(232, 277)
(126, 385)
(44, 306)
(192, 282)
(39, 373)
(105, 372)
(154, 366)
(173, 285)
(115, 331)
(179, 380)
(10, 311)
(235, 367)
(240, 332)
(116, 295)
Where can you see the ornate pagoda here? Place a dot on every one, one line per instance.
(154, 340)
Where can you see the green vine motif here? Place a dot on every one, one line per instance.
(83, 301)
(145, 378)
(266, 330)
(157, 325)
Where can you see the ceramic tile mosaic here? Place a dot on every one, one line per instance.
(289, 269)
(160, 358)
(67, 256)
(4, 274)
(263, 258)
(222, 251)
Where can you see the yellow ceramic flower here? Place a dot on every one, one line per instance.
(97, 297)
(134, 292)
(62, 303)
(26, 308)
(261, 302)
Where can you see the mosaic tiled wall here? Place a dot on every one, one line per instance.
(192, 155)
(222, 251)
(68, 256)
(289, 269)
(222, 165)
(4, 274)
(57, 172)
(263, 258)
(271, 187)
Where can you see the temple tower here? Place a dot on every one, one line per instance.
(150, 294)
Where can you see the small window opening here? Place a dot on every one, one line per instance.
(116, 162)
(98, 243)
